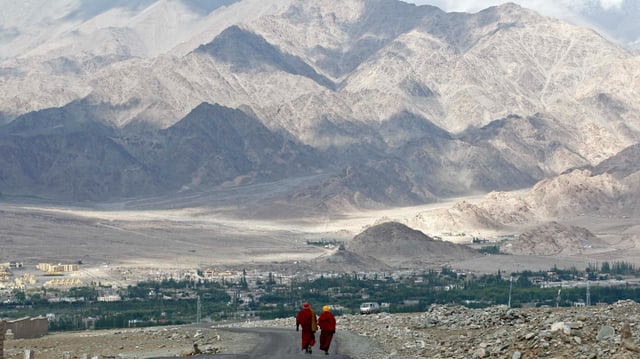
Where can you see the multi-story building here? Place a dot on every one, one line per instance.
(57, 268)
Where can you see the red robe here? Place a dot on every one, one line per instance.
(305, 319)
(327, 324)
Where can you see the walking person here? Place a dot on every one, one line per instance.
(327, 324)
(306, 319)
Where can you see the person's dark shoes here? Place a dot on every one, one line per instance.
(326, 352)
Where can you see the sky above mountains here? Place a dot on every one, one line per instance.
(41, 24)
(615, 19)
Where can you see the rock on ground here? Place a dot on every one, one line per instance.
(442, 331)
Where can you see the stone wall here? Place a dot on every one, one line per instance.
(28, 328)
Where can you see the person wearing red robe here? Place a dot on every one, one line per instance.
(306, 319)
(327, 324)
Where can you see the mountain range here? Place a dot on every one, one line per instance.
(338, 104)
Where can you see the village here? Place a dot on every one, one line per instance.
(53, 297)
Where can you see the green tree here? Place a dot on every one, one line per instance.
(20, 296)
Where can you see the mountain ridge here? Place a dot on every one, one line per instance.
(439, 105)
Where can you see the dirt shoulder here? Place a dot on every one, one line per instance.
(132, 343)
(172, 341)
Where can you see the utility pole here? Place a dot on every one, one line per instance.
(588, 301)
(558, 298)
(237, 300)
(510, 287)
(1, 339)
(198, 310)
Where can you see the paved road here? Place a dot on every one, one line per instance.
(275, 343)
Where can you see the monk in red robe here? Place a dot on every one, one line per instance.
(327, 324)
(306, 319)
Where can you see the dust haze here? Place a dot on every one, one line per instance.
(119, 243)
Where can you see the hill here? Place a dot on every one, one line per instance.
(399, 246)
(553, 238)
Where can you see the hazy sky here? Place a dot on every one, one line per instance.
(617, 19)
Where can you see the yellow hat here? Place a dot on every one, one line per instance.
(325, 308)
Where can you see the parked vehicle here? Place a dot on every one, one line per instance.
(369, 308)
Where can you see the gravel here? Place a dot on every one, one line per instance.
(453, 331)
(442, 331)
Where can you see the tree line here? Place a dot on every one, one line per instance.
(171, 301)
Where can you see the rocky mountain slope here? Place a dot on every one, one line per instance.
(565, 197)
(553, 238)
(371, 103)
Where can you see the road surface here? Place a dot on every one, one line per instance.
(277, 343)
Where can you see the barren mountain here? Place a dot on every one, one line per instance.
(575, 193)
(350, 104)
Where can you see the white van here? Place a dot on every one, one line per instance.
(369, 308)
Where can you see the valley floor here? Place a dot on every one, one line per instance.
(120, 246)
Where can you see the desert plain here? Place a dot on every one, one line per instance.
(118, 243)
